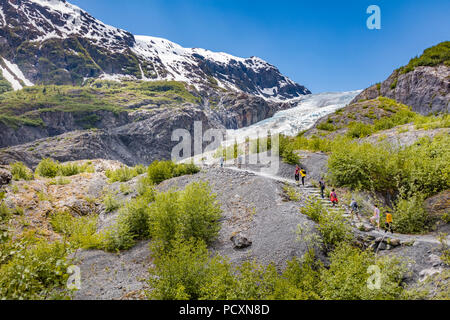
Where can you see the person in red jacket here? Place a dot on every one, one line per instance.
(333, 198)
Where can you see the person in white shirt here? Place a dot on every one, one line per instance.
(375, 219)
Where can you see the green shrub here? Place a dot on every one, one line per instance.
(181, 273)
(5, 212)
(118, 237)
(111, 203)
(200, 212)
(189, 272)
(123, 174)
(361, 166)
(160, 171)
(326, 126)
(348, 274)
(289, 156)
(433, 56)
(136, 216)
(47, 168)
(334, 229)
(410, 216)
(60, 181)
(191, 213)
(79, 232)
(359, 130)
(185, 169)
(313, 209)
(21, 172)
(165, 219)
(35, 273)
(70, 169)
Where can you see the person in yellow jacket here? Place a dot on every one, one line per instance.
(303, 174)
(389, 222)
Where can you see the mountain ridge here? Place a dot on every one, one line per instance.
(55, 42)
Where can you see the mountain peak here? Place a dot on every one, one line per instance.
(56, 42)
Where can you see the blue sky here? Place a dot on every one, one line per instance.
(324, 45)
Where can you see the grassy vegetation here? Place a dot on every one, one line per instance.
(433, 56)
(24, 107)
(5, 86)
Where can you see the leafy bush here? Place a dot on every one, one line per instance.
(347, 276)
(72, 169)
(326, 126)
(433, 56)
(111, 203)
(35, 273)
(47, 168)
(410, 216)
(124, 174)
(181, 273)
(334, 229)
(288, 155)
(188, 271)
(79, 232)
(60, 181)
(21, 172)
(185, 169)
(191, 213)
(160, 171)
(5, 212)
(313, 209)
(361, 166)
(200, 212)
(359, 130)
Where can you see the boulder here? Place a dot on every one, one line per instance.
(5, 177)
(424, 274)
(240, 242)
(434, 260)
(394, 242)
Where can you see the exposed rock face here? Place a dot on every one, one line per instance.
(242, 110)
(425, 89)
(57, 122)
(139, 142)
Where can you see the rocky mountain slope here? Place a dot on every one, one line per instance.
(423, 84)
(55, 42)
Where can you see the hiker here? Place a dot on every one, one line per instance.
(375, 219)
(239, 162)
(333, 198)
(354, 209)
(303, 174)
(389, 222)
(297, 174)
(221, 162)
(322, 187)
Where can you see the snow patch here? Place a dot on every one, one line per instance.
(17, 72)
(10, 78)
